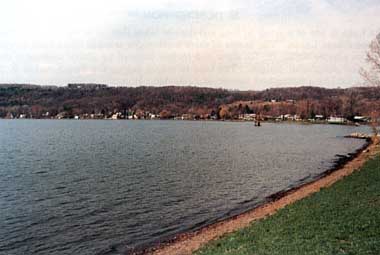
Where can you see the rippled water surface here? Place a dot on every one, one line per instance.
(104, 187)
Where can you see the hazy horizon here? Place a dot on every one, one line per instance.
(243, 45)
(187, 85)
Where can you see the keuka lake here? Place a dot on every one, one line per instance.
(107, 187)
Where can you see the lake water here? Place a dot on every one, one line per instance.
(105, 187)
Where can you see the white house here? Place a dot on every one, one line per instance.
(336, 120)
(361, 119)
(116, 116)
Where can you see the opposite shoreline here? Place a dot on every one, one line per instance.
(189, 242)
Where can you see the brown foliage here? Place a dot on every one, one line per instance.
(198, 102)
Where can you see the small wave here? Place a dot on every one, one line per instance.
(40, 172)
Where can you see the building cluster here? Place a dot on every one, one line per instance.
(146, 115)
(115, 115)
(294, 117)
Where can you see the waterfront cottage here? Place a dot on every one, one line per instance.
(336, 120)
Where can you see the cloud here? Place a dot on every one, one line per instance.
(233, 44)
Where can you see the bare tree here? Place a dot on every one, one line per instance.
(372, 74)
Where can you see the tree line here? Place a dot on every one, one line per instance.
(36, 101)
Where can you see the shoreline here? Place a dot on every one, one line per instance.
(188, 242)
(300, 122)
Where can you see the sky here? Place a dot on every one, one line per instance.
(233, 44)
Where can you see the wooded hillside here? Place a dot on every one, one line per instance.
(35, 101)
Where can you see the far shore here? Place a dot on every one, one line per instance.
(187, 243)
(303, 122)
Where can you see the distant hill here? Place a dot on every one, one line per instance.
(79, 99)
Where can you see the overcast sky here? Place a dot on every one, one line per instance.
(235, 44)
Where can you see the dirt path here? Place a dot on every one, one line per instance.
(187, 243)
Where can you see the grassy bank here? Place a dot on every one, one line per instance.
(341, 219)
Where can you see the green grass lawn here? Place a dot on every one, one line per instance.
(341, 219)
